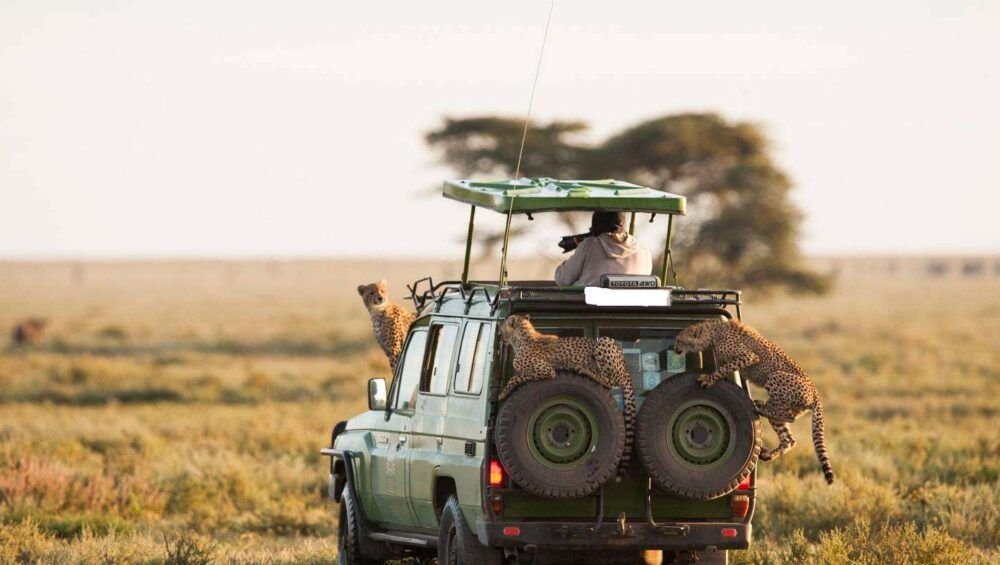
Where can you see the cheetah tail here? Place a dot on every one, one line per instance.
(819, 441)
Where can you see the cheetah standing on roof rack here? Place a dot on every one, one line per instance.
(538, 356)
(389, 321)
(738, 347)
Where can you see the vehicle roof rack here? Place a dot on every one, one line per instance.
(548, 292)
(436, 293)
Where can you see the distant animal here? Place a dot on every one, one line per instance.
(390, 321)
(29, 331)
(738, 347)
(538, 356)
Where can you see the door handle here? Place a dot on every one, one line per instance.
(402, 439)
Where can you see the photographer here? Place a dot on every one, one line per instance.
(607, 249)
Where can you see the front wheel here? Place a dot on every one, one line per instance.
(350, 532)
(457, 545)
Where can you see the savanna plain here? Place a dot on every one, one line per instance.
(175, 412)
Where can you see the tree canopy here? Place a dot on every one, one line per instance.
(742, 228)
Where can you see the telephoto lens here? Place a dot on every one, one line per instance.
(570, 242)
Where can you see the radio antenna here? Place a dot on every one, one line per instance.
(520, 153)
(534, 85)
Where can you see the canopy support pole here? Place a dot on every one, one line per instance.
(468, 246)
(666, 249)
(631, 225)
(502, 279)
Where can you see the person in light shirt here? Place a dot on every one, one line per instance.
(608, 250)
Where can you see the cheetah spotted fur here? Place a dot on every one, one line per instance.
(390, 321)
(538, 356)
(738, 347)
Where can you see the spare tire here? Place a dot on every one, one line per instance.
(695, 442)
(560, 438)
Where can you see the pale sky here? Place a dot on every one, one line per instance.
(213, 128)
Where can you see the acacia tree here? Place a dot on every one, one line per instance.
(742, 227)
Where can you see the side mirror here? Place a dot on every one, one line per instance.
(378, 395)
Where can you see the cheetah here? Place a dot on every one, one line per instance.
(390, 321)
(30, 331)
(538, 356)
(738, 347)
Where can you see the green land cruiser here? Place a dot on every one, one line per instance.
(420, 474)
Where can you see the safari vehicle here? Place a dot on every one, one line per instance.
(422, 474)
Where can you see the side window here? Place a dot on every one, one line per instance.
(437, 366)
(472, 358)
(409, 373)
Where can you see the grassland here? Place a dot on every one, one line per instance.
(177, 409)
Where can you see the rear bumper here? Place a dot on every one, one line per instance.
(695, 536)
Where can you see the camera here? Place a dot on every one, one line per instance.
(570, 242)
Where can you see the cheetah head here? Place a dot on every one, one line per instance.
(375, 295)
(514, 327)
(693, 338)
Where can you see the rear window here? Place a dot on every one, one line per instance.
(650, 355)
(540, 325)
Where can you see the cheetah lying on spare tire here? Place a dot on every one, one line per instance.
(738, 347)
(538, 356)
(389, 321)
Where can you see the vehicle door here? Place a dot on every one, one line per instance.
(390, 484)
(465, 429)
(429, 418)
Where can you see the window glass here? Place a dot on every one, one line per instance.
(409, 372)
(561, 331)
(650, 355)
(437, 369)
(472, 358)
(565, 331)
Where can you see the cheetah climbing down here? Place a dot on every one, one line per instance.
(390, 321)
(738, 347)
(538, 356)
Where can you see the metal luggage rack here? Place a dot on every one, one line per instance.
(534, 291)
(545, 291)
(539, 291)
(436, 293)
(709, 297)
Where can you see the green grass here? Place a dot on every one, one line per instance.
(175, 413)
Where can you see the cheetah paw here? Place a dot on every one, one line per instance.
(765, 455)
(706, 381)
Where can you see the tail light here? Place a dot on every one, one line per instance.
(747, 483)
(728, 532)
(741, 505)
(496, 474)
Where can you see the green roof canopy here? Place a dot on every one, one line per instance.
(544, 194)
